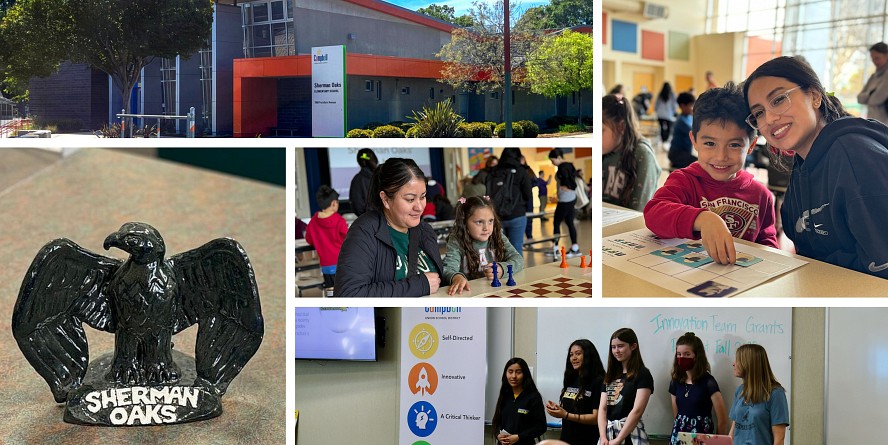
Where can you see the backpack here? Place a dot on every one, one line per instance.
(499, 188)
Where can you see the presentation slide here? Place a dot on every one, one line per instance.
(335, 333)
(344, 165)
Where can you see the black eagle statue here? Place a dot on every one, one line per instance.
(143, 301)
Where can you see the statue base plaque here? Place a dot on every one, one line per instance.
(103, 403)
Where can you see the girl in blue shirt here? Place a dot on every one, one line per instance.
(760, 413)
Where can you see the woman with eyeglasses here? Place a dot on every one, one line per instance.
(836, 204)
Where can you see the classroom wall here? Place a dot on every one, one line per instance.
(687, 17)
(326, 390)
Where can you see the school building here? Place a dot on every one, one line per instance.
(254, 76)
(678, 41)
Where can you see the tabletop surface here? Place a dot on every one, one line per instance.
(89, 195)
(815, 279)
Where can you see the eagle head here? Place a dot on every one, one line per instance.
(140, 240)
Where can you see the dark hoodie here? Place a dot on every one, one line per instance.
(357, 192)
(836, 205)
(521, 184)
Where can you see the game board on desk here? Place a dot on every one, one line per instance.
(684, 267)
(555, 287)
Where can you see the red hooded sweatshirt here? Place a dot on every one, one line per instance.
(327, 235)
(746, 206)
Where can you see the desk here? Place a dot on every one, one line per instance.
(481, 286)
(815, 279)
(88, 195)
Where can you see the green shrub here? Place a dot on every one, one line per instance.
(475, 130)
(411, 133)
(492, 126)
(388, 131)
(531, 130)
(359, 133)
(569, 128)
(517, 130)
(438, 122)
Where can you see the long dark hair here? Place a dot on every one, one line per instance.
(798, 71)
(701, 363)
(460, 233)
(590, 369)
(614, 368)
(389, 178)
(617, 110)
(666, 92)
(505, 391)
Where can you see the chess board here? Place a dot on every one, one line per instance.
(558, 287)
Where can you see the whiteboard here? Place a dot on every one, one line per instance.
(722, 330)
(856, 374)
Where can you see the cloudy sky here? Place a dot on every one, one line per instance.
(461, 6)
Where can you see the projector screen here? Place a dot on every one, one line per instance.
(344, 164)
(335, 333)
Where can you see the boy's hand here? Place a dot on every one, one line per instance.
(716, 237)
(457, 284)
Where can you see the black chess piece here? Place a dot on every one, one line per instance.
(496, 281)
(511, 281)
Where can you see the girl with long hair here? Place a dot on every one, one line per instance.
(519, 418)
(627, 388)
(477, 241)
(580, 394)
(694, 391)
(760, 412)
(629, 166)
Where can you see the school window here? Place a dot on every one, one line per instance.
(378, 90)
(432, 93)
(268, 28)
(494, 94)
(573, 98)
(368, 85)
(405, 91)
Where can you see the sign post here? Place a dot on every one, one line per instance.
(328, 91)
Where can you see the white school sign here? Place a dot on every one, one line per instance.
(443, 361)
(328, 90)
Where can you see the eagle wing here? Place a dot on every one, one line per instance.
(217, 290)
(64, 287)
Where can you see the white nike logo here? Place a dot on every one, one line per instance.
(802, 222)
(873, 268)
(817, 225)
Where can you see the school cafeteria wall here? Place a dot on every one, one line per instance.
(351, 402)
(806, 400)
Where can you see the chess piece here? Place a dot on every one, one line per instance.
(496, 281)
(563, 259)
(583, 261)
(511, 281)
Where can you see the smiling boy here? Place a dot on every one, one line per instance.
(715, 199)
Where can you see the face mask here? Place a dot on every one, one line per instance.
(685, 363)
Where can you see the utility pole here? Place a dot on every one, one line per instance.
(507, 83)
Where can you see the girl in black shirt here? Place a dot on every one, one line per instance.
(578, 407)
(628, 386)
(519, 418)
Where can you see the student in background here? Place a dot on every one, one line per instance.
(580, 394)
(443, 208)
(629, 166)
(326, 231)
(565, 211)
(477, 240)
(760, 412)
(389, 251)
(528, 206)
(542, 185)
(694, 391)
(519, 417)
(627, 388)
(681, 151)
(875, 93)
(714, 199)
(475, 186)
(665, 106)
(360, 184)
(836, 205)
(509, 188)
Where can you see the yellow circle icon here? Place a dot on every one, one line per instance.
(423, 340)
